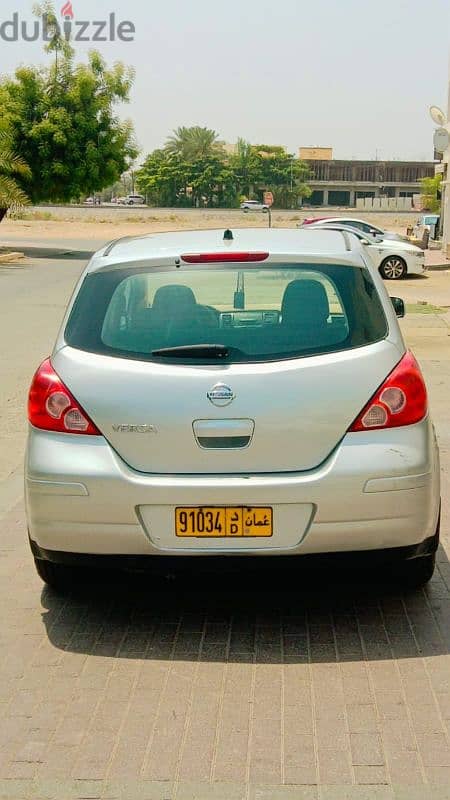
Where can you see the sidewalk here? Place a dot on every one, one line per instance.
(435, 259)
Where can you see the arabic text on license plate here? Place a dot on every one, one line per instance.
(235, 521)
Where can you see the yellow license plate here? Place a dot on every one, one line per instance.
(232, 521)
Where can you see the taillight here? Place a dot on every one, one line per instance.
(217, 258)
(53, 408)
(401, 400)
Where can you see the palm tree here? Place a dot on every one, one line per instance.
(193, 143)
(246, 163)
(178, 142)
(11, 165)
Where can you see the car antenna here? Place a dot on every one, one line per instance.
(228, 235)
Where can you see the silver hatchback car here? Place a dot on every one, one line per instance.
(231, 394)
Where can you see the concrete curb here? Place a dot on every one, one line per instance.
(52, 253)
(438, 267)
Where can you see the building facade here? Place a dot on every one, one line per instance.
(315, 153)
(337, 182)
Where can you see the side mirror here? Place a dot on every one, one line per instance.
(399, 306)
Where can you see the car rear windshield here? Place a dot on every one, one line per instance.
(237, 313)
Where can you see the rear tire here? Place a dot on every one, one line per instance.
(57, 576)
(393, 268)
(417, 572)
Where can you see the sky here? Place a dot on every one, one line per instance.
(357, 75)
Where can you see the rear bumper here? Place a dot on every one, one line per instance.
(162, 565)
(377, 491)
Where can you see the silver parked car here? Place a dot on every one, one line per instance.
(360, 224)
(220, 394)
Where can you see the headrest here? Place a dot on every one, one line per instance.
(305, 301)
(173, 297)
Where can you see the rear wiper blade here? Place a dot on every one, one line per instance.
(195, 351)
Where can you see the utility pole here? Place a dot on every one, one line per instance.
(446, 186)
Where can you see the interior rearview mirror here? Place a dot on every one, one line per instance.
(239, 299)
(399, 306)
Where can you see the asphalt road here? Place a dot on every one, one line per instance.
(62, 211)
(52, 248)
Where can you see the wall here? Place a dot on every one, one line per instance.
(384, 203)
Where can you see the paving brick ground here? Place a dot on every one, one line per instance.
(308, 688)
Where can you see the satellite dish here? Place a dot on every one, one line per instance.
(437, 115)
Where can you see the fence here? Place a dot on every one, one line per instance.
(384, 203)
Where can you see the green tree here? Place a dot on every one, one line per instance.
(57, 42)
(431, 193)
(12, 168)
(283, 174)
(246, 165)
(193, 143)
(170, 180)
(164, 178)
(182, 175)
(212, 181)
(64, 124)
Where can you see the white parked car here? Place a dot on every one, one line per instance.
(360, 224)
(395, 260)
(254, 205)
(132, 200)
(214, 394)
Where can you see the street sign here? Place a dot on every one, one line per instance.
(441, 140)
(268, 198)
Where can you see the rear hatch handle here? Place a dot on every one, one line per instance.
(223, 434)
